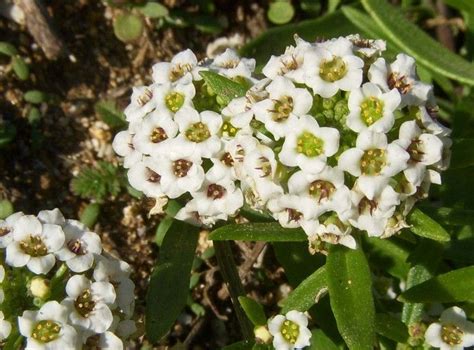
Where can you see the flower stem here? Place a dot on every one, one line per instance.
(231, 277)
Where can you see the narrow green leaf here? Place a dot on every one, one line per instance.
(274, 41)
(225, 88)
(6, 209)
(453, 286)
(417, 43)
(128, 27)
(392, 328)
(20, 68)
(110, 114)
(7, 133)
(154, 10)
(207, 24)
(463, 153)
(280, 12)
(171, 209)
(267, 232)
(389, 254)
(8, 49)
(253, 310)
(90, 215)
(304, 296)
(350, 291)
(424, 226)
(241, 345)
(168, 289)
(320, 341)
(463, 5)
(461, 251)
(450, 216)
(35, 96)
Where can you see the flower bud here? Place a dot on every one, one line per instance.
(40, 287)
(262, 334)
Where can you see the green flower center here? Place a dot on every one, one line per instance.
(373, 161)
(174, 101)
(181, 167)
(321, 189)
(309, 145)
(198, 132)
(228, 129)
(282, 108)
(84, 304)
(371, 110)
(46, 331)
(451, 334)
(332, 70)
(290, 331)
(34, 246)
(158, 134)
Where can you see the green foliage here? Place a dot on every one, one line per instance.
(350, 291)
(225, 88)
(90, 214)
(253, 310)
(268, 232)
(35, 96)
(6, 209)
(8, 49)
(128, 27)
(171, 209)
(280, 11)
(168, 288)
(7, 133)
(97, 182)
(154, 10)
(391, 327)
(110, 114)
(422, 225)
(20, 68)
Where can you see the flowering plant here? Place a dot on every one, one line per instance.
(58, 288)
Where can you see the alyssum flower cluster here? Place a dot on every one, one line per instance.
(58, 289)
(332, 137)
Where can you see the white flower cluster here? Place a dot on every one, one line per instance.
(333, 137)
(58, 289)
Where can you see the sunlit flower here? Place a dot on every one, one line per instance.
(6, 229)
(182, 69)
(290, 331)
(231, 65)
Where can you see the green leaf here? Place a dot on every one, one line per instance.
(267, 232)
(280, 12)
(6, 209)
(97, 182)
(20, 68)
(417, 43)
(241, 345)
(128, 27)
(7, 133)
(34, 116)
(350, 291)
(391, 328)
(225, 88)
(305, 295)
(168, 289)
(8, 49)
(110, 114)
(454, 286)
(253, 310)
(171, 209)
(424, 226)
(207, 24)
(463, 153)
(154, 10)
(90, 215)
(450, 216)
(35, 96)
(463, 5)
(275, 40)
(389, 254)
(320, 341)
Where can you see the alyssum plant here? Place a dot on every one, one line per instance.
(58, 289)
(332, 140)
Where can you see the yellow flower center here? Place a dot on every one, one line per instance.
(373, 161)
(290, 331)
(309, 145)
(46, 331)
(332, 70)
(451, 334)
(371, 110)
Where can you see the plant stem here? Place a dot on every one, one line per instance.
(231, 277)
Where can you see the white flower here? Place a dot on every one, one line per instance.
(198, 132)
(189, 213)
(290, 209)
(6, 229)
(5, 327)
(117, 272)
(237, 116)
(155, 132)
(144, 176)
(179, 173)
(370, 108)
(123, 146)
(326, 190)
(231, 65)
(34, 244)
(104, 341)
(142, 102)
(173, 97)
(424, 149)
(452, 332)
(308, 145)
(236, 150)
(284, 103)
(87, 303)
(401, 75)
(220, 44)
(290, 331)
(373, 161)
(47, 329)
(290, 64)
(332, 230)
(372, 215)
(332, 67)
(430, 124)
(80, 248)
(367, 48)
(218, 195)
(182, 69)
(51, 217)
